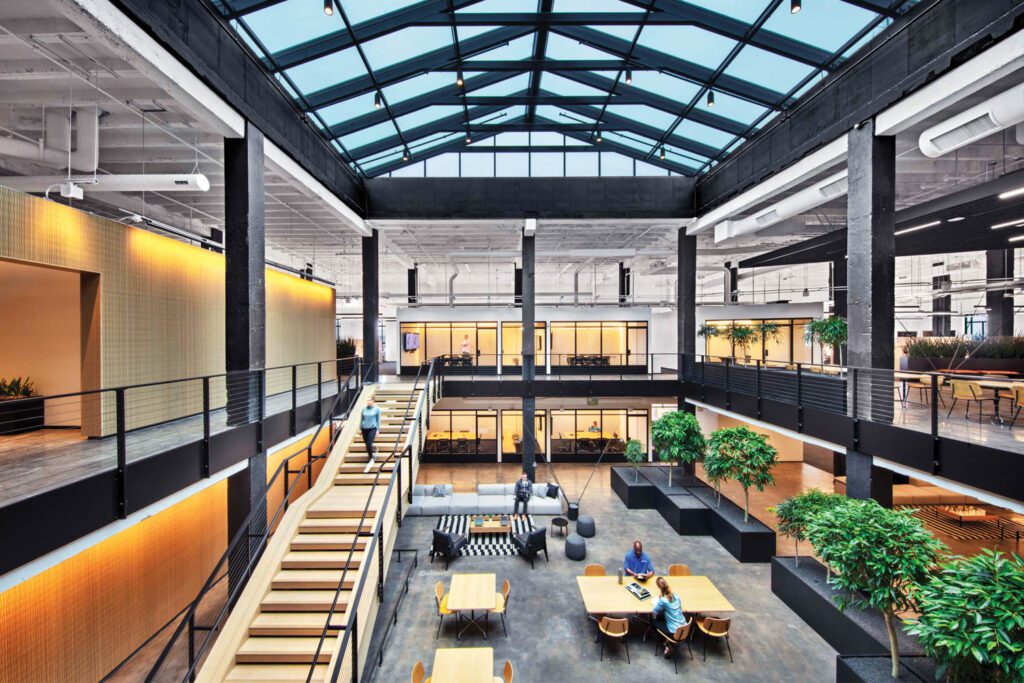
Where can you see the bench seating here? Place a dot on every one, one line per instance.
(489, 499)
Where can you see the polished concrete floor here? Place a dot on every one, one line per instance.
(550, 639)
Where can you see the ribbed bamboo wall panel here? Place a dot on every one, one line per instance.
(161, 306)
(81, 618)
(277, 456)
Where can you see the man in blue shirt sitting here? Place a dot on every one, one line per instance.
(637, 564)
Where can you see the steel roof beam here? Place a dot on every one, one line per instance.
(430, 61)
(444, 124)
(540, 48)
(554, 100)
(611, 121)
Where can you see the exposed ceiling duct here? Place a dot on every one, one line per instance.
(451, 284)
(55, 147)
(973, 124)
(822, 191)
(134, 182)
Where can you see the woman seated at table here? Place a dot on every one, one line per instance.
(668, 612)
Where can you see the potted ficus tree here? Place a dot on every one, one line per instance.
(795, 512)
(635, 455)
(708, 332)
(717, 470)
(831, 331)
(742, 336)
(878, 558)
(346, 352)
(744, 456)
(769, 332)
(678, 439)
(972, 618)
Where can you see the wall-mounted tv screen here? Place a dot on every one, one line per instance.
(411, 341)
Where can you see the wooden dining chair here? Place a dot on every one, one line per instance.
(924, 387)
(1016, 394)
(501, 604)
(419, 674)
(507, 673)
(676, 640)
(594, 570)
(713, 627)
(678, 570)
(615, 629)
(441, 599)
(969, 392)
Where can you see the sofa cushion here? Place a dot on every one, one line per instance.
(545, 506)
(464, 503)
(493, 505)
(435, 506)
(540, 490)
(415, 508)
(490, 489)
(421, 490)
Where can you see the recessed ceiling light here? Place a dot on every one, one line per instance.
(904, 231)
(1008, 224)
(1012, 193)
(955, 219)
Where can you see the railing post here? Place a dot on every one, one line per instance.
(936, 444)
(380, 562)
(309, 466)
(293, 420)
(122, 456)
(799, 396)
(261, 382)
(355, 648)
(853, 393)
(728, 392)
(319, 393)
(206, 427)
(757, 386)
(398, 473)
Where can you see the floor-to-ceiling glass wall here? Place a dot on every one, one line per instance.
(462, 436)
(592, 346)
(512, 347)
(512, 436)
(592, 434)
(461, 345)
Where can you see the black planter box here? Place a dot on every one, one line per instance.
(638, 495)
(22, 415)
(930, 364)
(685, 513)
(872, 669)
(658, 476)
(747, 541)
(851, 632)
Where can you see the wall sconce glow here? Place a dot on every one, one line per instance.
(1008, 224)
(1012, 193)
(917, 227)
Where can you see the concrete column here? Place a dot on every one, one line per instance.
(871, 266)
(245, 319)
(999, 302)
(371, 305)
(528, 291)
(686, 305)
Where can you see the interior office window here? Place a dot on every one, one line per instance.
(438, 340)
(512, 165)
(614, 425)
(439, 435)
(464, 340)
(613, 342)
(487, 432)
(412, 343)
(487, 344)
(802, 350)
(464, 432)
(547, 164)
(563, 342)
(779, 349)
(589, 432)
(511, 345)
(637, 422)
(588, 339)
(563, 432)
(581, 164)
(512, 436)
(636, 344)
(477, 165)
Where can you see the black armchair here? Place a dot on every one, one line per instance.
(532, 543)
(448, 545)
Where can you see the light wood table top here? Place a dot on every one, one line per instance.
(472, 592)
(469, 436)
(463, 665)
(587, 435)
(490, 526)
(604, 595)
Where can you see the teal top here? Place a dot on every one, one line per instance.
(371, 418)
(673, 612)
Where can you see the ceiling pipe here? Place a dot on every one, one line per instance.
(451, 284)
(973, 124)
(53, 148)
(153, 182)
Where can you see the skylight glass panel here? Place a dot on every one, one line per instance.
(613, 164)
(411, 171)
(643, 114)
(512, 139)
(732, 108)
(324, 72)
(427, 115)
(644, 169)
(443, 166)
(622, 32)
(520, 48)
(247, 38)
(664, 85)
(546, 138)
(359, 11)
(515, 83)
(405, 44)
(291, 22)
(827, 24)
(706, 134)
(555, 84)
(594, 6)
(419, 85)
(501, 6)
(368, 135)
(632, 140)
(560, 47)
(348, 109)
(744, 10)
(767, 69)
(688, 42)
(381, 160)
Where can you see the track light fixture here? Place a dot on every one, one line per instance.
(459, 80)
(376, 101)
(329, 7)
(629, 76)
(661, 153)
(711, 98)
(795, 6)
(406, 155)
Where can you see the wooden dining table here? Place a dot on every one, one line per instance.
(605, 595)
(463, 665)
(469, 594)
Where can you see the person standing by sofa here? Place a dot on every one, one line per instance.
(369, 423)
(522, 493)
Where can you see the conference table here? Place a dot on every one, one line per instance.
(605, 595)
(463, 665)
(472, 593)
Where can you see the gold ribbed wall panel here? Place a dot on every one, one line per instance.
(161, 306)
(79, 619)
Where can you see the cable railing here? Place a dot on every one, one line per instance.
(597, 366)
(414, 432)
(248, 543)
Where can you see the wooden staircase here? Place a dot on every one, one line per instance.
(273, 632)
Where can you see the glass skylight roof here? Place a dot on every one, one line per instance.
(379, 78)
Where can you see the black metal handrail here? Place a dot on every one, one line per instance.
(392, 617)
(351, 624)
(245, 535)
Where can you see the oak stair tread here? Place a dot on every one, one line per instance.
(328, 541)
(324, 525)
(285, 650)
(279, 624)
(313, 579)
(303, 601)
(320, 559)
(274, 673)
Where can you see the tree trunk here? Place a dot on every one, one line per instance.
(636, 474)
(894, 648)
(746, 505)
(796, 552)
(670, 467)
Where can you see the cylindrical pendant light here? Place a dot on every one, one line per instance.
(376, 101)
(711, 98)
(329, 7)
(795, 6)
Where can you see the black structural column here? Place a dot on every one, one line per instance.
(517, 286)
(732, 296)
(624, 284)
(529, 359)
(414, 284)
(999, 302)
(871, 266)
(839, 288)
(245, 317)
(686, 307)
(371, 305)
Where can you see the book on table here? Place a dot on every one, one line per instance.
(638, 591)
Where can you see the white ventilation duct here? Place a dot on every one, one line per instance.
(53, 149)
(451, 285)
(971, 125)
(822, 191)
(154, 182)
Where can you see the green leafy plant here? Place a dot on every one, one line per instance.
(708, 331)
(770, 332)
(878, 557)
(635, 454)
(678, 438)
(742, 336)
(957, 348)
(346, 347)
(972, 618)
(794, 514)
(831, 331)
(717, 470)
(17, 387)
(743, 455)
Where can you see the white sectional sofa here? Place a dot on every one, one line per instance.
(489, 499)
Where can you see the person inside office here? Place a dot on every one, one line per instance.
(637, 564)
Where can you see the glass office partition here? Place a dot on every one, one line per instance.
(464, 345)
(512, 346)
(591, 346)
(582, 435)
(462, 436)
(784, 343)
(512, 436)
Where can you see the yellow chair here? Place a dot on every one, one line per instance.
(441, 599)
(507, 673)
(616, 629)
(1016, 394)
(501, 603)
(969, 392)
(594, 570)
(682, 635)
(713, 627)
(419, 674)
(678, 570)
(924, 387)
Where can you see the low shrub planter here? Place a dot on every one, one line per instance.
(982, 364)
(750, 541)
(22, 415)
(638, 494)
(878, 669)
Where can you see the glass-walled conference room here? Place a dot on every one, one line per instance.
(778, 340)
(576, 346)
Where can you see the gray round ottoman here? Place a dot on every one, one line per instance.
(575, 547)
(585, 526)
